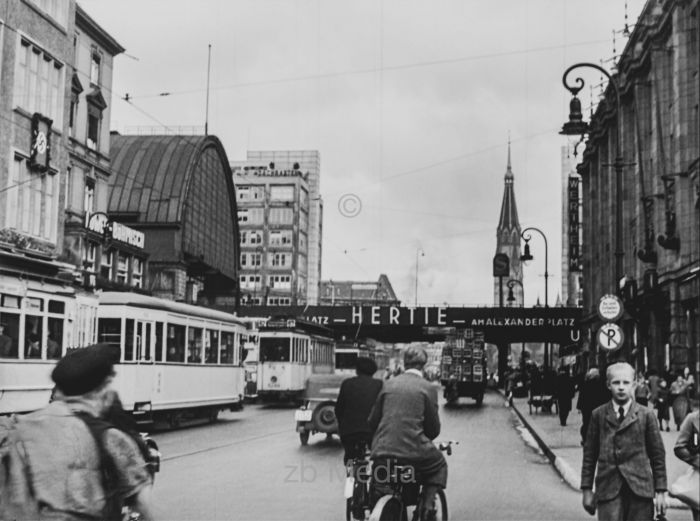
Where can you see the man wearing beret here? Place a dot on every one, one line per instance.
(65, 460)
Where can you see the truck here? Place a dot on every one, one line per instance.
(463, 365)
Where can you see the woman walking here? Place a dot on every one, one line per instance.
(662, 404)
(679, 400)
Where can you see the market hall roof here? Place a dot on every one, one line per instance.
(182, 181)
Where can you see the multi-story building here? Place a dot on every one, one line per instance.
(658, 76)
(571, 291)
(55, 80)
(358, 293)
(279, 214)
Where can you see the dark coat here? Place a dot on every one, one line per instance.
(632, 451)
(405, 418)
(593, 393)
(355, 400)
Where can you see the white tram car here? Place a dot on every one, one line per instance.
(176, 358)
(291, 350)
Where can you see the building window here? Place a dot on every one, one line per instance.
(38, 83)
(106, 263)
(281, 238)
(32, 201)
(255, 237)
(279, 301)
(280, 260)
(281, 216)
(89, 258)
(137, 273)
(89, 197)
(94, 124)
(56, 9)
(95, 63)
(281, 192)
(122, 268)
(280, 281)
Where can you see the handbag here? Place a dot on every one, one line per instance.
(686, 488)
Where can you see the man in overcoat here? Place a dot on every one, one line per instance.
(624, 443)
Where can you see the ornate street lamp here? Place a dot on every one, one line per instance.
(577, 127)
(526, 256)
(513, 282)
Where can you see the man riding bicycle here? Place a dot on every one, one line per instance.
(405, 421)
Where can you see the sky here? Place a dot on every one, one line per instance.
(411, 104)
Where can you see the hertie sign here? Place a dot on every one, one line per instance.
(610, 337)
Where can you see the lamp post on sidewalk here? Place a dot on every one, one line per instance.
(577, 127)
(526, 256)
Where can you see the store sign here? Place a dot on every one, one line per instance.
(100, 223)
(574, 225)
(40, 146)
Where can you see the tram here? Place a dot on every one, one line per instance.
(290, 351)
(176, 359)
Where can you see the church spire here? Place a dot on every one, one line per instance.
(509, 210)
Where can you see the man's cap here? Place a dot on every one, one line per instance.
(85, 369)
(365, 365)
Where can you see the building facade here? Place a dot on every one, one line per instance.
(508, 243)
(309, 162)
(280, 215)
(358, 293)
(178, 192)
(658, 78)
(571, 280)
(48, 78)
(273, 214)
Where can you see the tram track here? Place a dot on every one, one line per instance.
(224, 445)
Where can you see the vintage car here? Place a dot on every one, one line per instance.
(317, 414)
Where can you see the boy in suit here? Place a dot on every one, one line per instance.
(624, 442)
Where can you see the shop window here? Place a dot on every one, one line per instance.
(106, 264)
(137, 273)
(122, 268)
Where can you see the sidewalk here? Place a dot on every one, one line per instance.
(562, 445)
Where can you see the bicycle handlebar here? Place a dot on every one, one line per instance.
(446, 446)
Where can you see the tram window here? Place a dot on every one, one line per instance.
(194, 345)
(10, 301)
(109, 330)
(54, 343)
(32, 335)
(159, 342)
(211, 348)
(274, 349)
(176, 343)
(345, 360)
(56, 306)
(227, 344)
(9, 335)
(129, 340)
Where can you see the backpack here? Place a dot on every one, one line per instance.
(17, 499)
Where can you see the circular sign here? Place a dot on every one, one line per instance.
(41, 142)
(610, 337)
(610, 308)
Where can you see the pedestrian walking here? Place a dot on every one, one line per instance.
(679, 400)
(592, 394)
(78, 466)
(687, 448)
(563, 393)
(625, 453)
(662, 404)
(642, 391)
(653, 379)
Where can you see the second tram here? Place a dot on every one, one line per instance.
(291, 350)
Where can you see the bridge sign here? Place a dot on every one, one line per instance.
(610, 308)
(610, 337)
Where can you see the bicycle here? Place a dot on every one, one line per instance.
(357, 491)
(402, 491)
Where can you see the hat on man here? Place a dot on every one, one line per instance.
(365, 366)
(84, 370)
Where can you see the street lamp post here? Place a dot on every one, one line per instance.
(577, 127)
(526, 256)
(511, 295)
(422, 254)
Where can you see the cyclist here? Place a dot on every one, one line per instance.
(405, 421)
(355, 400)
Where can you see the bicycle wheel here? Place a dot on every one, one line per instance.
(440, 507)
(388, 508)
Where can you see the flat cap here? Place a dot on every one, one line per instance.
(85, 369)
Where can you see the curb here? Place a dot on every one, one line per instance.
(564, 468)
